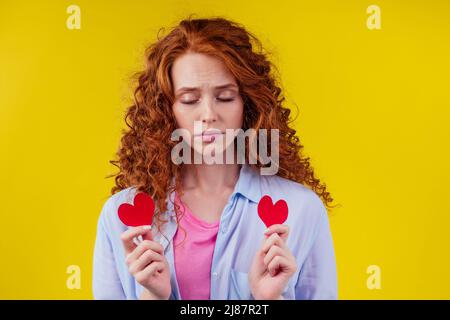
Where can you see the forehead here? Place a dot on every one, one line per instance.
(199, 70)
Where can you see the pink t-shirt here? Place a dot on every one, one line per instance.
(193, 257)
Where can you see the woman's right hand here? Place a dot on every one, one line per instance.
(147, 264)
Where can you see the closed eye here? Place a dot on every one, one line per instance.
(225, 100)
(189, 102)
(195, 101)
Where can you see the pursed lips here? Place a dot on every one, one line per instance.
(210, 135)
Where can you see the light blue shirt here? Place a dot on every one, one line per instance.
(240, 234)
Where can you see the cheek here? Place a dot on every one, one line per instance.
(236, 116)
(182, 117)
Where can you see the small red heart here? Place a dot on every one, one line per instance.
(272, 214)
(139, 214)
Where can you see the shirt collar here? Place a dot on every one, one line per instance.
(248, 185)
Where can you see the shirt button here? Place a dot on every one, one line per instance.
(224, 229)
(215, 274)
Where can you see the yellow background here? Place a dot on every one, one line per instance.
(374, 112)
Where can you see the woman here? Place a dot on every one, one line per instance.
(207, 240)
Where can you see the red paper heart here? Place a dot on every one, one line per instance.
(272, 213)
(138, 214)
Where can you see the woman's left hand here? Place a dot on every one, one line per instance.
(273, 265)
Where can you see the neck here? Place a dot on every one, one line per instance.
(210, 178)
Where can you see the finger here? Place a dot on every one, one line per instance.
(273, 252)
(141, 248)
(128, 235)
(281, 229)
(274, 239)
(147, 235)
(144, 260)
(137, 240)
(149, 271)
(278, 263)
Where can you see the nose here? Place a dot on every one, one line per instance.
(208, 114)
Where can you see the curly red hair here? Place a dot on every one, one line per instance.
(144, 157)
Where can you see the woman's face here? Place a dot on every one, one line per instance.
(207, 94)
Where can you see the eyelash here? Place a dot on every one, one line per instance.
(221, 100)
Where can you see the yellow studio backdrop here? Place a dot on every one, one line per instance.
(374, 100)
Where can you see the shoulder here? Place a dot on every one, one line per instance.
(109, 218)
(304, 205)
(307, 214)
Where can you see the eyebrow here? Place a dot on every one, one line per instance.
(223, 86)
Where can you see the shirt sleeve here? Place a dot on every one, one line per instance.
(318, 278)
(106, 283)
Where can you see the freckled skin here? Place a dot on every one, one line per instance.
(205, 73)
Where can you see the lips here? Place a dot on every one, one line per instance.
(210, 135)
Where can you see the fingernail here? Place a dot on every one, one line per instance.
(146, 227)
(267, 230)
